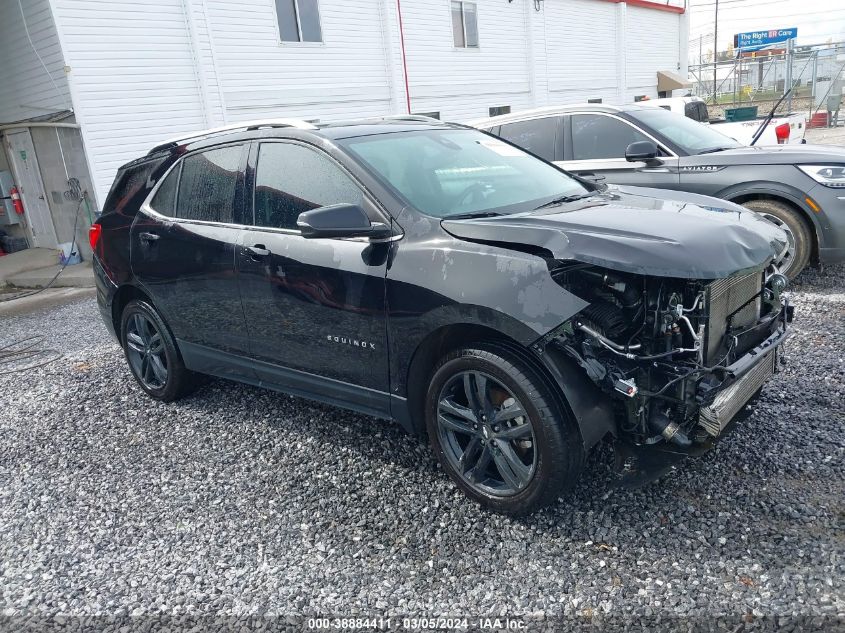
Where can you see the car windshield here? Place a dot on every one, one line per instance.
(691, 136)
(451, 172)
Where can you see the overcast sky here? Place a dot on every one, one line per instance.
(818, 21)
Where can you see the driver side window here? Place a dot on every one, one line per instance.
(596, 136)
(291, 179)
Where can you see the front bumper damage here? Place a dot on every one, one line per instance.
(739, 386)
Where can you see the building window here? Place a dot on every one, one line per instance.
(432, 115)
(299, 21)
(597, 100)
(465, 24)
(498, 110)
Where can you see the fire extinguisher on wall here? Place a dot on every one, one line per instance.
(16, 200)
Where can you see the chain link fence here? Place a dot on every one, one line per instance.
(817, 77)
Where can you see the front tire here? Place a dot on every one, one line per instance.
(798, 235)
(499, 431)
(152, 354)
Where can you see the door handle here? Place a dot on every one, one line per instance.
(148, 237)
(257, 251)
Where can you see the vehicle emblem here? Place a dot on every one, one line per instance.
(354, 342)
(701, 168)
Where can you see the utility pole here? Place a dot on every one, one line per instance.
(790, 54)
(715, 48)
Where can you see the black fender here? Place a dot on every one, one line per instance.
(591, 408)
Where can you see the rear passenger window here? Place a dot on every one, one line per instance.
(292, 179)
(164, 201)
(131, 185)
(207, 185)
(537, 136)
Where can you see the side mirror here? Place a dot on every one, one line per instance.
(642, 151)
(340, 220)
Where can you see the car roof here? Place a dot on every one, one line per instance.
(286, 128)
(551, 111)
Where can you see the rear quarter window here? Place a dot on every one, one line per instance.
(131, 185)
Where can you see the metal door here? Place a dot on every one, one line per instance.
(31, 189)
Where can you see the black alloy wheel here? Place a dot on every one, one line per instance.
(486, 434)
(145, 352)
(152, 354)
(501, 429)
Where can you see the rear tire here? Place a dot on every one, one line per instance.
(152, 354)
(515, 451)
(800, 238)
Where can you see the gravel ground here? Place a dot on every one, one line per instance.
(239, 501)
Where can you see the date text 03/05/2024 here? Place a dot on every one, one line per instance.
(416, 623)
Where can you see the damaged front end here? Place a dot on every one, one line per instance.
(680, 358)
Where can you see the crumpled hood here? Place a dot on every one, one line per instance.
(627, 231)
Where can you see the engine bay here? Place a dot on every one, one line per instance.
(679, 356)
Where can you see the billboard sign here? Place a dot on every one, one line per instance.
(756, 40)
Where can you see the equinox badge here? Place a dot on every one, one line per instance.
(350, 341)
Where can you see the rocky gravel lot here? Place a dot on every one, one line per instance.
(238, 501)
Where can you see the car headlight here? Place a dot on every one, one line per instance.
(828, 175)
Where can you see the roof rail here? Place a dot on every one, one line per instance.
(242, 125)
(411, 117)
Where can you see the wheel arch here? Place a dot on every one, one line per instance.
(431, 349)
(792, 199)
(122, 297)
(589, 408)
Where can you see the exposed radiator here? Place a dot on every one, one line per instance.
(725, 296)
(715, 418)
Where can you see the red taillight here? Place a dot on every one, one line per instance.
(782, 133)
(94, 235)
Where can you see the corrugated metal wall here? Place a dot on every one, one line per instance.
(462, 83)
(27, 89)
(133, 75)
(345, 75)
(143, 72)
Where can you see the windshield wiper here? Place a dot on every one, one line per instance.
(713, 150)
(472, 214)
(564, 199)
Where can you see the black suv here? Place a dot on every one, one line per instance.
(436, 275)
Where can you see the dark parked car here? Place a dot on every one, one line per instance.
(798, 187)
(435, 275)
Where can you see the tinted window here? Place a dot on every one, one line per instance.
(689, 135)
(448, 172)
(207, 185)
(164, 201)
(595, 136)
(130, 186)
(696, 111)
(292, 179)
(537, 135)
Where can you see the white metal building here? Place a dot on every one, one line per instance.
(129, 74)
